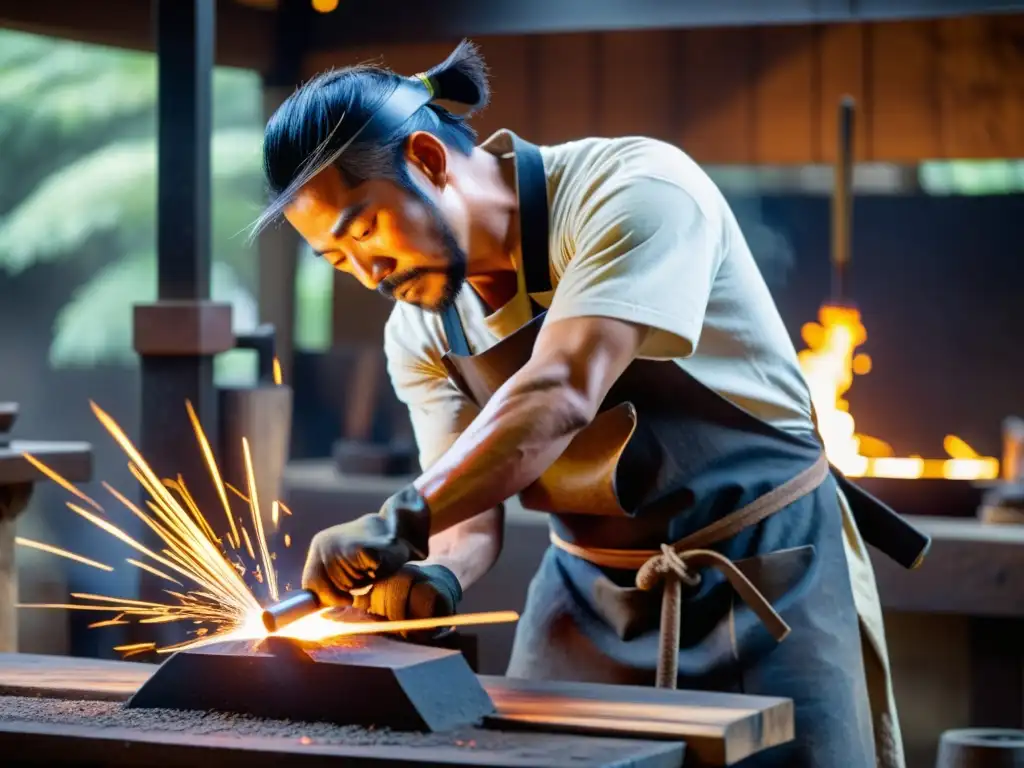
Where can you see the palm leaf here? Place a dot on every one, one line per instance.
(95, 327)
(111, 189)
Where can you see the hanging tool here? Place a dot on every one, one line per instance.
(842, 204)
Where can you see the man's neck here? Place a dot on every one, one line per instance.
(495, 235)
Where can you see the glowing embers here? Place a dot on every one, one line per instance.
(829, 365)
(366, 680)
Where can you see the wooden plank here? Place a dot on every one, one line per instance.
(403, 59)
(131, 746)
(980, 83)
(972, 569)
(841, 62)
(636, 85)
(905, 124)
(65, 677)
(72, 461)
(785, 95)
(511, 99)
(721, 728)
(563, 87)
(716, 120)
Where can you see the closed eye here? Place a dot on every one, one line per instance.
(334, 258)
(363, 229)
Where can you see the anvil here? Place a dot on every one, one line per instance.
(366, 680)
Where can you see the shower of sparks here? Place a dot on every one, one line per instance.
(208, 571)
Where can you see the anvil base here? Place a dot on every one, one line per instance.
(365, 680)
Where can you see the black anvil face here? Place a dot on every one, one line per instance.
(363, 680)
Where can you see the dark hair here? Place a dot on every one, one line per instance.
(358, 119)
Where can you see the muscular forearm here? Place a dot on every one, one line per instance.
(524, 427)
(470, 549)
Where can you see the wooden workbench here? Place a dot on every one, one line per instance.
(597, 724)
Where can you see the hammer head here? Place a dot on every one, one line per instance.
(290, 609)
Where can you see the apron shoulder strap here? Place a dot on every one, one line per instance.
(534, 231)
(534, 225)
(458, 344)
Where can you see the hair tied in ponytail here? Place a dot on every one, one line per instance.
(461, 78)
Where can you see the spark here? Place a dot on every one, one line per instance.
(257, 520)
(60, 552)
(206, 568)
(153, 570)
(248, 544)
(65, 484)
(211, 464)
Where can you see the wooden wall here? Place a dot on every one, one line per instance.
(931, 89)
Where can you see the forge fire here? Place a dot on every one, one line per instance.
(829, 364)
(206, 573)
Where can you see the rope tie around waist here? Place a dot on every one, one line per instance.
(677, 564)
(672, 569)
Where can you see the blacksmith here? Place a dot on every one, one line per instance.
(584, 326)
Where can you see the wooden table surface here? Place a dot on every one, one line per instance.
(718, 729)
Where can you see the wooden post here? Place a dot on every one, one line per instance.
(178, 336)
(71, 460)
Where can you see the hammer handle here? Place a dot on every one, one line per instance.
(842, 199)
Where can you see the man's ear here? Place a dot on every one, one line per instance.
(429, 155)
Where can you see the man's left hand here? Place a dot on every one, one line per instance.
(414, 592)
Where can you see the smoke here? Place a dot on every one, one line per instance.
(772, 250)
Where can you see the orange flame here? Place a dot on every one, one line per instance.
(829, 364)
(278, 376)
(219, 599)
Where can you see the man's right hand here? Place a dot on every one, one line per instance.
(372, 548)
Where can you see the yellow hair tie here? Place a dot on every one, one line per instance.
(427, 83)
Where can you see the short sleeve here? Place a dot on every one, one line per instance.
(644, 252)
(439, 412)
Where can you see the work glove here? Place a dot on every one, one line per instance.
(414, 592)
(372, 548)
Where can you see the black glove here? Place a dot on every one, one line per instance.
(367, 550)
(415, 592)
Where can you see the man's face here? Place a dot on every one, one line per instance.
(391, 239)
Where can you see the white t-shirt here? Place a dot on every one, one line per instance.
(638, 232)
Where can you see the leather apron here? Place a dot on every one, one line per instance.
(679, 518)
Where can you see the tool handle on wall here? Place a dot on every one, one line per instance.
(263, 340)
(842, 201)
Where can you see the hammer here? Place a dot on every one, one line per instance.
(290, 609)
(842, 202)
(296, 606)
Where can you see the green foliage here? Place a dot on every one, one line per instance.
(314, 291)
(77, 126)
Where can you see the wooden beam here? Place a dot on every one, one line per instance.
(784, 95)
(716, 106)
(244, 34)
(404, 21)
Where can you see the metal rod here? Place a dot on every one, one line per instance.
(842, 202)
(290, 609)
